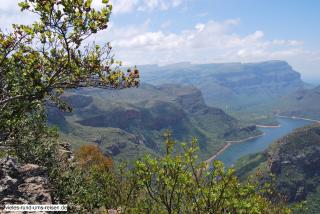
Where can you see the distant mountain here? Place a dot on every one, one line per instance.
(302, 103)
(126, 120)
(294, 160)
(234, 87)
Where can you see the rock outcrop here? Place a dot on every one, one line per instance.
(114, 117)
(293, 160)
(23, 184)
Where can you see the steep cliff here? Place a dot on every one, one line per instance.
(144, 113)
(294, 160)
(23, 184)
(245, 87)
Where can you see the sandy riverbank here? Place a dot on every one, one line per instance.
(218, 153)
(229, 143)
(263, 126)
(244, 140)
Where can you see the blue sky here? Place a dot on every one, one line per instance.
(208, 31)
(285, 19)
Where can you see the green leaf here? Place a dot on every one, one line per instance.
(24, 5)
(88, 4)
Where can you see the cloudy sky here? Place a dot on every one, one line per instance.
(207, 31)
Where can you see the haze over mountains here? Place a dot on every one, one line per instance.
(176, 96)
(246, 87)
(302, 103)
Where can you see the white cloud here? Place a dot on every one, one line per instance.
(8, 5)
(127, 6)
(200, 27)
(10, 13)
(166, 24)
(206, 43)
(210, 35)
(287, 42)
(150, 5)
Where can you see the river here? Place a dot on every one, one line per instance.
(238, 150)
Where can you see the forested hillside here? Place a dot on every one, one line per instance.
(137, 148)
(124, 122)
(294, 161)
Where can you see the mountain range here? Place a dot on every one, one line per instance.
(216, 103)
(206, 101)
(126, 122)
(230, 85)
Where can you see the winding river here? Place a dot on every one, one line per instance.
(237, 150)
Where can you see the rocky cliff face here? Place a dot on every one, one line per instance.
(146, 112)
(231, 85)
(294, 160)
(23, 184)
(272, 73)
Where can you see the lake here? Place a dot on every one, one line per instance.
(238, 150)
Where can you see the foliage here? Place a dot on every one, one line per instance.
(175, 183)
(179, 184)
(310, 206)
(89, 156)
(141, 114)
(293, 160)
(92, 183)
(39, 61)
(34, 142)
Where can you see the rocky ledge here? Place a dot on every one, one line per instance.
(23, 184)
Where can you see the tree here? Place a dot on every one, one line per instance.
(39, 61)
(179, 183)
(173, 184)
(90, 156)
(93, 183)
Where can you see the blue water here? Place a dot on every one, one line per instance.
(238, 150)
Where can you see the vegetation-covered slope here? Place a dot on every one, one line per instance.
(303, 103)
(40, 61)
(294, 160)
(122, 120)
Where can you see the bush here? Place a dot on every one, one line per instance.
(175, 183)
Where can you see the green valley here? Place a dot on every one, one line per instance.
(130, 122)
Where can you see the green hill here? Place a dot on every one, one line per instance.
(132, 121)
(294, 160)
